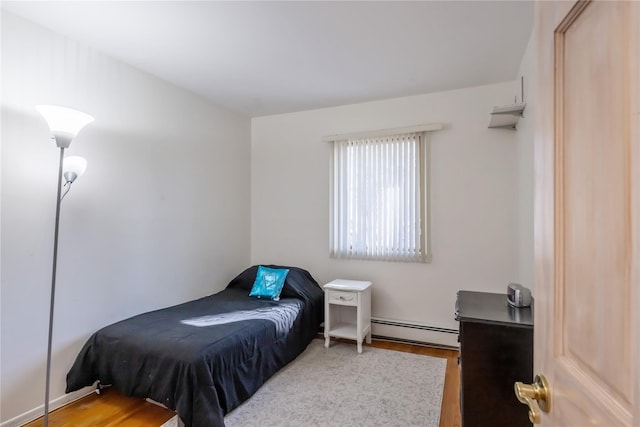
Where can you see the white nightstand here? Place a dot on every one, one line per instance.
(347, 311)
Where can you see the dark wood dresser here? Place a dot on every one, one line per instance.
(496, 350)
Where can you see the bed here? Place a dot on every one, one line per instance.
(204, 357)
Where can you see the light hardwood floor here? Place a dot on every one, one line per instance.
(111, 409)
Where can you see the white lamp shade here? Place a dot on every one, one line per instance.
(65, 123)
(74, 164)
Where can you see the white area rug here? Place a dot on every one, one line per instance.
(173, 422)
(339, 387)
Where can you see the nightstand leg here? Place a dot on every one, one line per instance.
(369, 337)
(326, 341)
(359, 346)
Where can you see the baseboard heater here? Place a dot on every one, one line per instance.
(408, 325)
(401, 324)
(413, 342)
(415, 326)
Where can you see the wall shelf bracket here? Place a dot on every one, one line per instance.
(506, 117)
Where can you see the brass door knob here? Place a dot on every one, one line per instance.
(537, 396)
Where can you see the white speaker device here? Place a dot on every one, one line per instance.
(518, 295)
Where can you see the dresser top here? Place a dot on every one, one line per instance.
(348, 285)
(491, 308)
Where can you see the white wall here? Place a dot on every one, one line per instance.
(525, 135)
(161, 215)
(473, 194)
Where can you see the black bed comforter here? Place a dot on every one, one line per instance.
(204, 357)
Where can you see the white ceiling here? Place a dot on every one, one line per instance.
(268, 57)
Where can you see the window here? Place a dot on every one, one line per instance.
(380, 198)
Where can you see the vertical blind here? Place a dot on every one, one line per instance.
(377, 198)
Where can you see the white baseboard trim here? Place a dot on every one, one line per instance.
(53, 405)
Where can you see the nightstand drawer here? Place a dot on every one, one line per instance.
(343, 298)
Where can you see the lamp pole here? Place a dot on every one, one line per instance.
(53, 289)
(64, 123)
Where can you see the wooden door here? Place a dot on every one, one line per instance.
(587, 216)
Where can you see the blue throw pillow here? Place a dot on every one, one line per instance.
(269, 283)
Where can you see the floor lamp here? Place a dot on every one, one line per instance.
(64, 123)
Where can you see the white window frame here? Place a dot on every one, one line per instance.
(425, 255)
